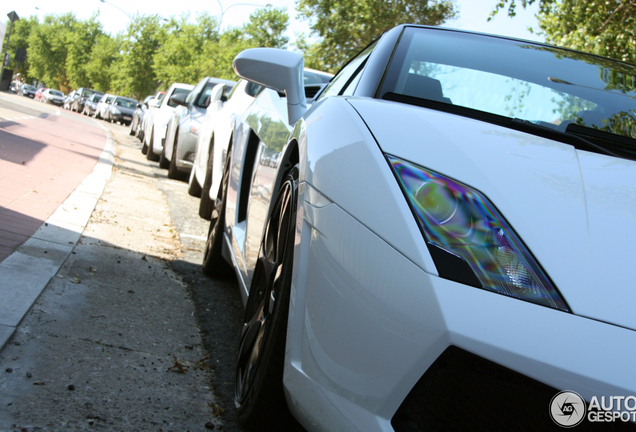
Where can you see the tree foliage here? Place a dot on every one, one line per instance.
(603, 27)
(48, 50)
(80, 40)
(345, 27)
(67, 53)
(136, 73)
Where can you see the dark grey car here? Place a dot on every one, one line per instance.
(121, 110)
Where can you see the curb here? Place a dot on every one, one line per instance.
(25, 273)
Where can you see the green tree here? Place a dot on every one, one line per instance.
(81, 39)
(180, 57)
(603, 27)
(103, 65)
(136, 73)
(265, 28)
(345, 27)
(48, 49)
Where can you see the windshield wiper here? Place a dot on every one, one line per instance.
(579, 142)
(570, 136)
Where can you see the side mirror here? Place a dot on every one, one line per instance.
(279, 70)
(138, 105)
(178, 99)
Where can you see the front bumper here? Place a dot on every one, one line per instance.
(367, 324)
(123, 118)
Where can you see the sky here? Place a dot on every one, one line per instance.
(114, 14)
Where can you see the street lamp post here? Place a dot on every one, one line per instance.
(268, 5)
(13, 17)
(117, 7)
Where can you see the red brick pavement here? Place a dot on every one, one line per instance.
(42, 161)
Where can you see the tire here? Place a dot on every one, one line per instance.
(132, 129)
(259, 371)
(150, 155)
(206, 205)
(163, 160)
(144, 147)
(173, 171)
(213, 262)
(194, 188)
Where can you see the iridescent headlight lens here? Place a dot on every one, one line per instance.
(463, 222)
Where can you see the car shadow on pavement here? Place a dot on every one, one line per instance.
(15, 229)
(219, 312)
(15, 148)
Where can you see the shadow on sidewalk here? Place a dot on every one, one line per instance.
(15, 229)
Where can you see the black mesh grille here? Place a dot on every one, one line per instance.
(462, 391)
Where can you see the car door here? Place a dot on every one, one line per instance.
(260, 133)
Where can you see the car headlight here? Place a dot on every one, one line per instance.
(470, 241)
(116, 111)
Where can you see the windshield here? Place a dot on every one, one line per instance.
(56, 93)
(540, 84)
(204, 98)
(29, 87)
(316, 77)
(126, 103)
(86, 93)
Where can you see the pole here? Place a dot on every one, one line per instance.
(12, 17)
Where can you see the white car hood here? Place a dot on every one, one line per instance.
(575, 210)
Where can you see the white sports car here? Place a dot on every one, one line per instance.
(435, 246)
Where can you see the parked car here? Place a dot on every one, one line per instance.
(137, 114)
(68, 100)
(120, 110)
(51, 96)
(13, 87)
(157, 121)
(144, 115)
(90, 105)
(439, 232)
(102, 105)
(27, 90)
(38, 94)
(217, 128)
(184, 125)
(80, 96)
(217, 125)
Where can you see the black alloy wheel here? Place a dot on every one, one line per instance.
(259, 373)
